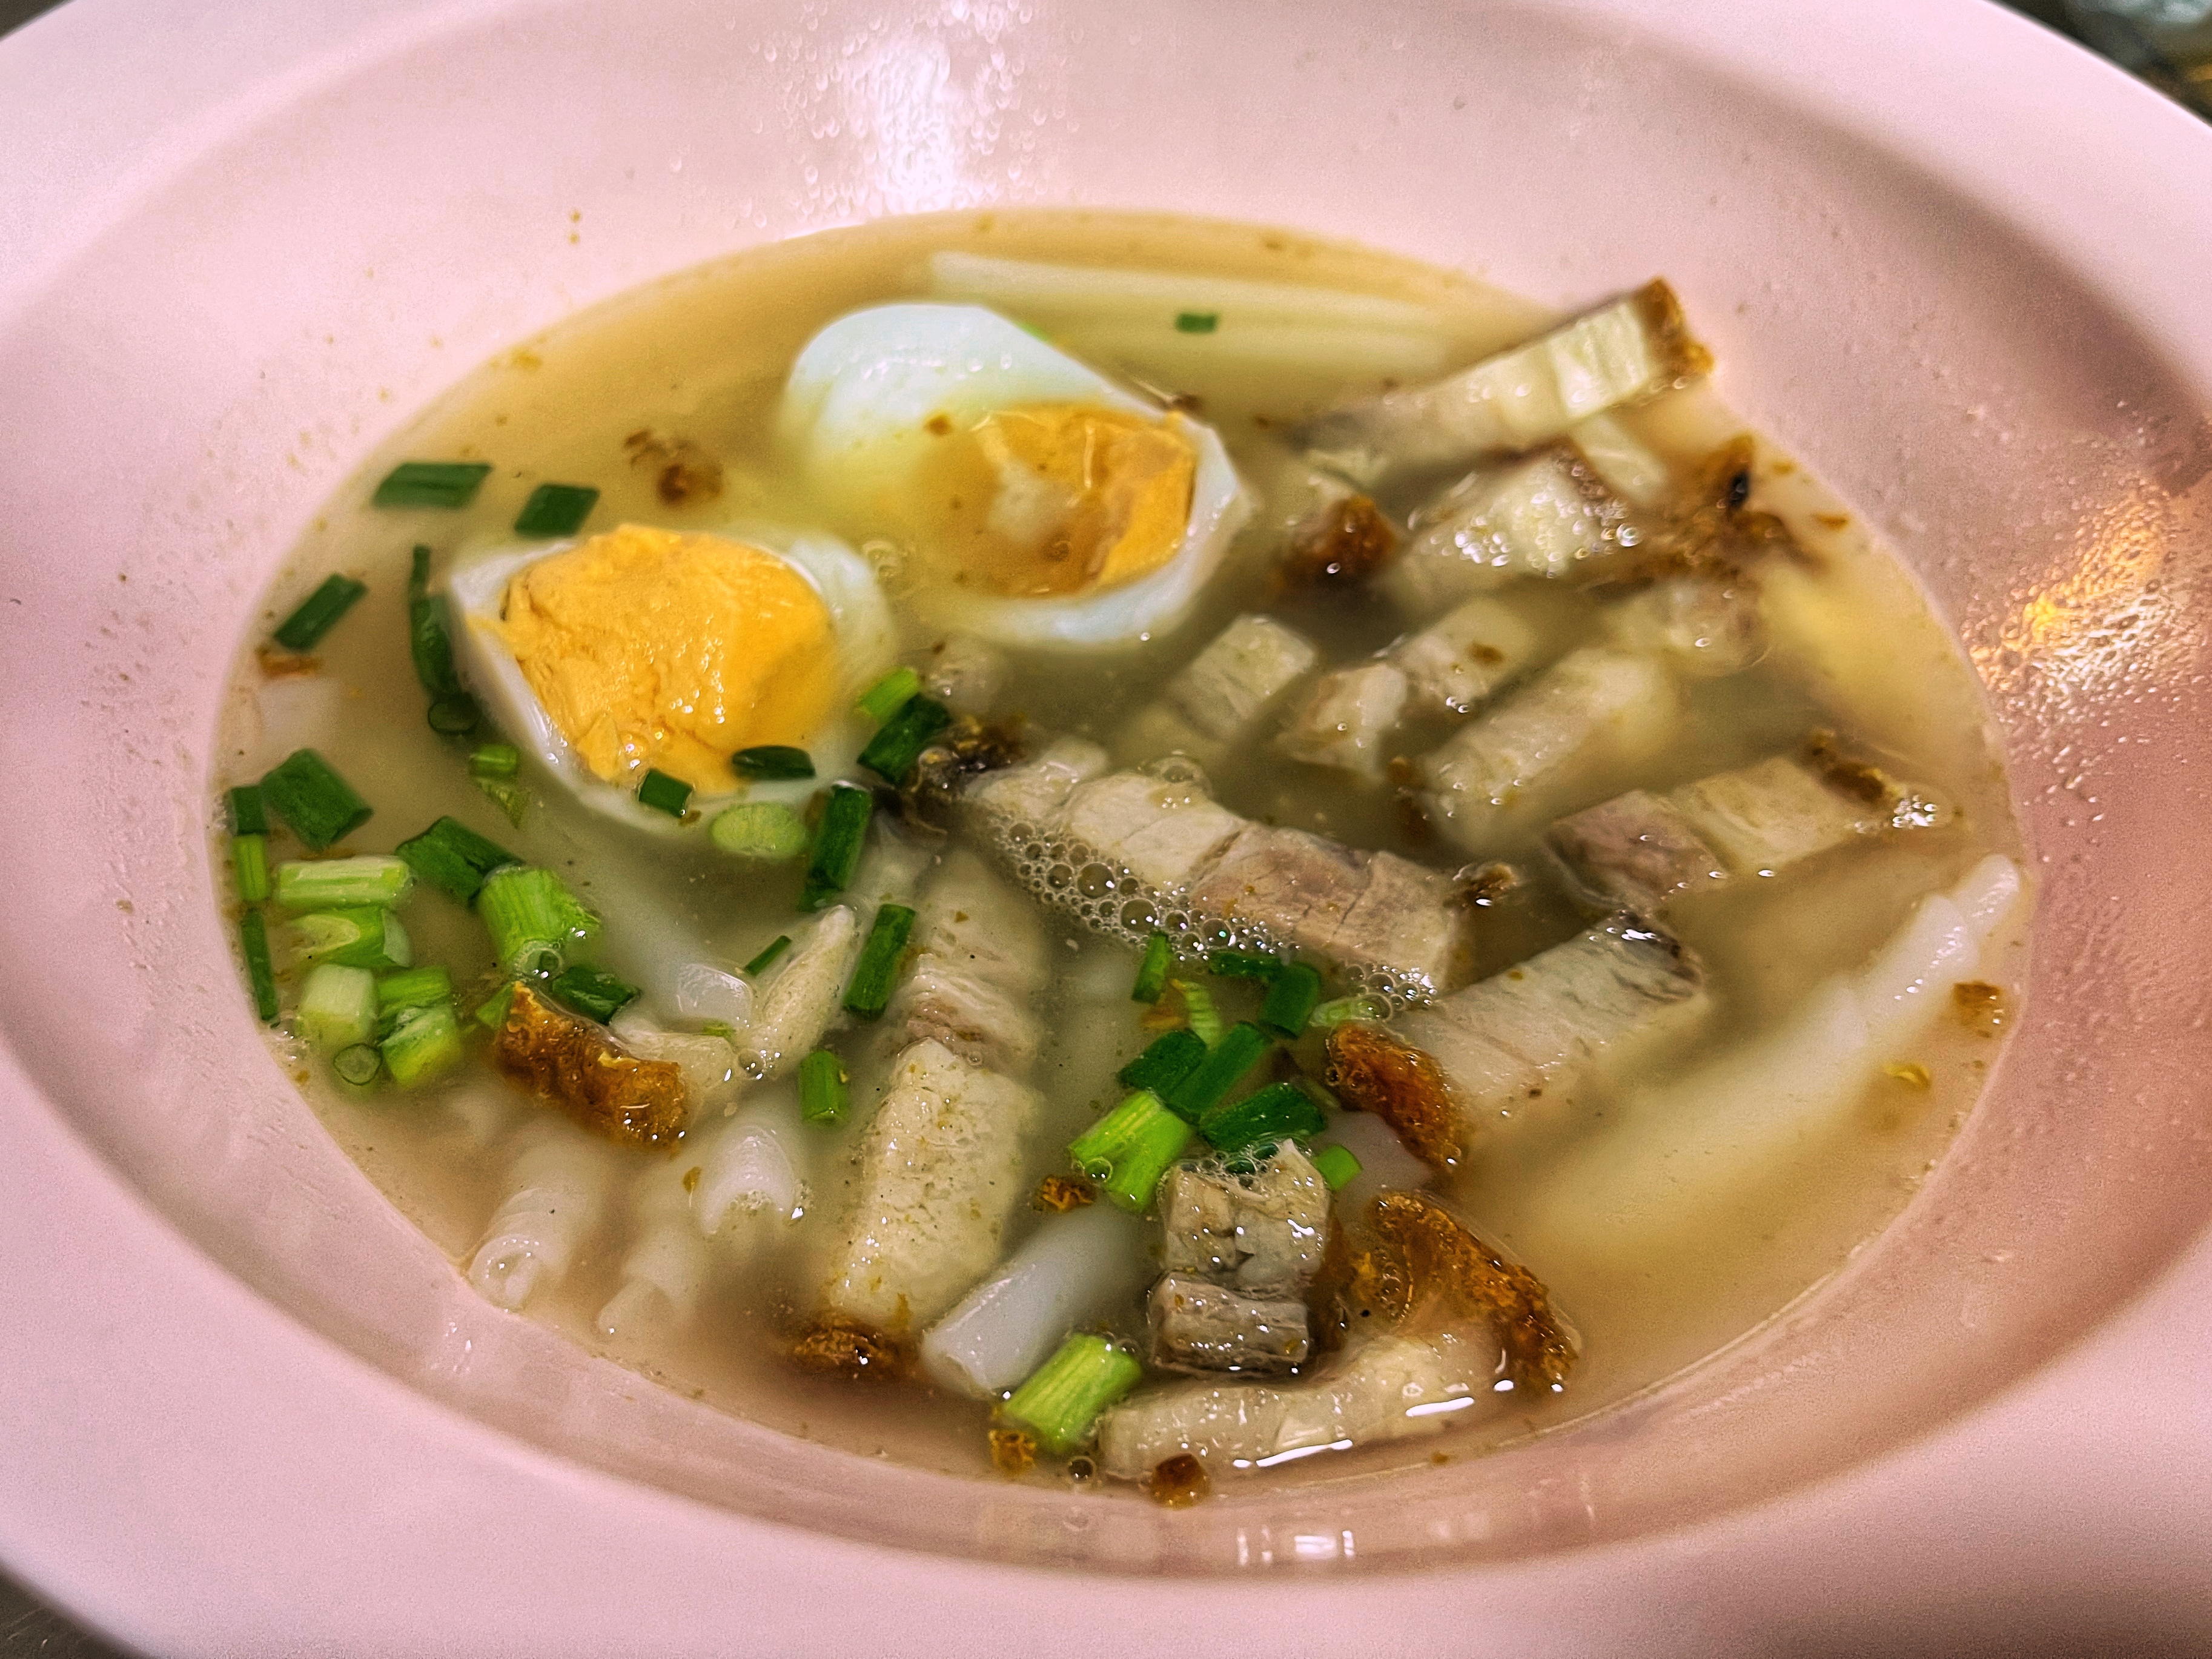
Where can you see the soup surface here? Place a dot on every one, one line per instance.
(1576, 877)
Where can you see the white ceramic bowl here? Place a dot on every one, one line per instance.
(1956, 263)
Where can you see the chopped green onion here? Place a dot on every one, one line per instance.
(1241, 1048)
(247, 816)
(431, 632)
(1198, 1007)
(837, 842)
(767, 830)
(720, 1027)
(663, 794)
(1197, 322)
(360, 937)
(556, 509)
(1292, 998)
(772, 763)
(448, 485)
(260, 972)
(822, 1096)
(306, 792)
(892, 752)
(455, 716)
(338, 1006)
(454, 859)
(511, 798)
(870, 988)
(491, 1012)
(1060, 1402)
(1279, 1112)
(1361, 1004)
(249, 858)
(375, 878)
(412, 988)
(1244, 964)
(494, 760)
(1173, 1056)
(774, 948)
(358, 1064)
(1127, 1150)
(889, 695)
(426, 1042)
(1336, 1165)
(1153, 972)
(318, 613)
(592, 991)
(533, 918)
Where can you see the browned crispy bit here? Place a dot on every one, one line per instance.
(966, 749)
(284, 665)
(1845, 775)
(1373, 1071)
(1177, 1482)
(1424, 1265)
(1060, 1194)
(685, 474)
(1979, 1006)
(1485, 885)
(1013, 1452)
(1662, 310)
(1347, 542)
(844, 1347)
(576, 1065)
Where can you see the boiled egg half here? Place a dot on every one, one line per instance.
(649, 649)
(1041, 503)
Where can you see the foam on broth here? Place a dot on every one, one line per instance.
(701, 356)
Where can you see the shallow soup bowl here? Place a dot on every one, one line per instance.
(1952, 262)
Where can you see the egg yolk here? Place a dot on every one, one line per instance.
(1054, 499)
(649, 648)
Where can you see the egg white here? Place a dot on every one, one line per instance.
(861, 627)
(854, 410)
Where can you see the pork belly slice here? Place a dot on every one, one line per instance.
(1594, 707)
(1345, 719)
(1035, 792)
(1703, 626)
(1547, 516)
(1225, 690)
(1533, 1031)
(937, 1178)
(1388, 1388)
(800, 1003)
(1358, 909)
(1771, 816)
(1637, 850)
(1456, 664)
(1199, 1326)
(1624, 352)
(978, 968)
(1163, 832)
(1264, 1233)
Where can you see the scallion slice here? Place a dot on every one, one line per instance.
(247, 816)
(870, 988)
(821, 1095)
(319, 612)
(455, 716)
(306, 791)
(1243, 965)
(249, 860)
(1279, 1112)
(1197, 322)
(892, 752)
(1127, 1150)
(260, 972)
(413, 987)
(359, 937)
(358, 1064)
(663, 793)
(494, 760)
(556, 509)
(1292, 998)
(447, 484)
(510, 798)
(1171, 1057)
(766, 830)
(491, 1012)
(426, 1042)
(837, 843)
(1198, 1007)
(533, 918)
(377, 878)
(454, 859)
(591, 992)
(772, 763)
(1361, 1004)
(1060, 1402)
(1242, 1048)
(1152, 971)
(773, 949)
(890, 693)
(431, 632)
(1336, 1165)
(338, 1006)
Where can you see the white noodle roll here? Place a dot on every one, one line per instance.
(755, 1164)
(556, 1194)
(1630, 468)
(1073, 1269)
(709, 1063)
(1701, 1139)
(796, 1007)
(1385, 1165)
(665, 1269)
(705, 992)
